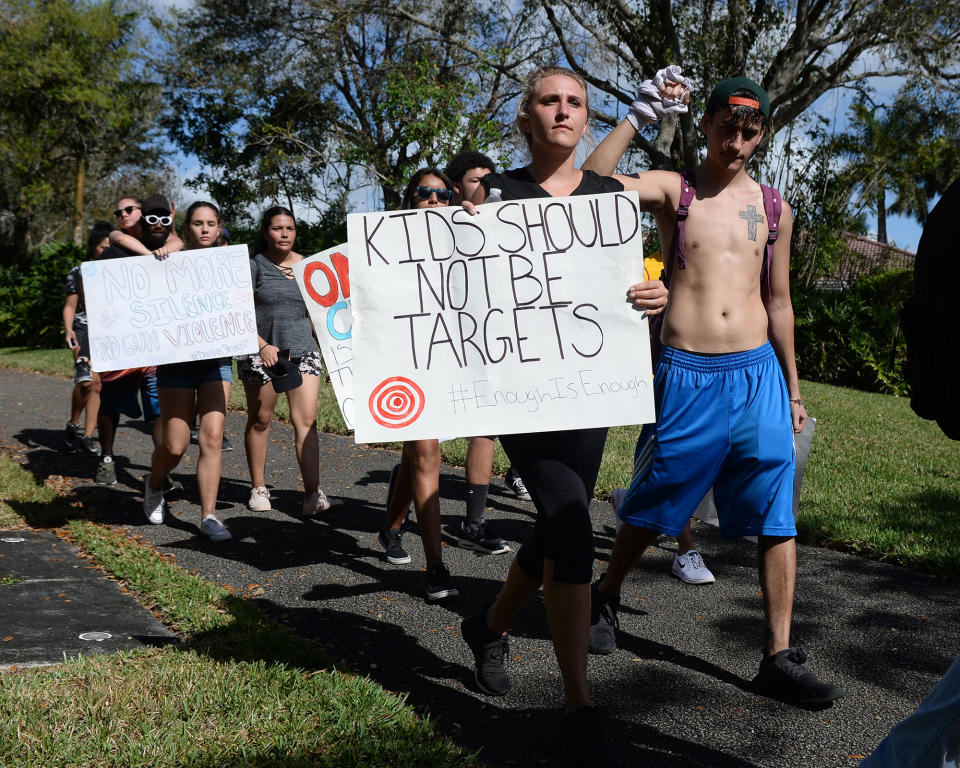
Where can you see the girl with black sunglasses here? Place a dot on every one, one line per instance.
(129, 216)
(418, 477)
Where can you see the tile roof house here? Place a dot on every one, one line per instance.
(865, 257)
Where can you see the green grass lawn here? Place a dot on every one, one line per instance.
(239, 690)
(879, 481)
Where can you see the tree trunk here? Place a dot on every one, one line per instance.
(881, 216)
(78, 204)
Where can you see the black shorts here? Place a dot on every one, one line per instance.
(83, 340)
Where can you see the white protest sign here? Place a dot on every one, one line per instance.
(193, 305)
(324, 282)
(513, 320)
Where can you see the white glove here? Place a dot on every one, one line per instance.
(650, 106)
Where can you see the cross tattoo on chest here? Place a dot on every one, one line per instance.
(752, 218)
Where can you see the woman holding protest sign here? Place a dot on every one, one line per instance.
(560, 467)
(288, 361)
(200, 388)
(418, 477)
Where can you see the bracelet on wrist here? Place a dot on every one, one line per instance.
(265, 346)
(797, 400)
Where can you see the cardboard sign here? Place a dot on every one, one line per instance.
(193, 305)
(513, 320)
(324, 281)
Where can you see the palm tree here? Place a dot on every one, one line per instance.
(910, 148)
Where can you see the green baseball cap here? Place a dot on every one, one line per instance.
(722, 96)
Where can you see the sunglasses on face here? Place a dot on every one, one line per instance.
(151, 220)
(128, 210)
(443, 194)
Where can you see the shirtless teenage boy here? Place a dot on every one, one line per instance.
(726, 387)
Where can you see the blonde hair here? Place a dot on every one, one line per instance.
(530, 89)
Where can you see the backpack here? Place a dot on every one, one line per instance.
(931, 318)
(772, 207)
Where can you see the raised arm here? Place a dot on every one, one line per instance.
(668, 93)
(605, 158)
(780, 317)
(128, 242)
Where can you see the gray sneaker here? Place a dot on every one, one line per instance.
(690, 568)
(213, 529)
(106, 471)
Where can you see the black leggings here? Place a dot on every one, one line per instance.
(560, 471)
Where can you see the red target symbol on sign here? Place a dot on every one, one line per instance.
(396, 402)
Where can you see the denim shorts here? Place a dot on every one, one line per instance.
(192, 374)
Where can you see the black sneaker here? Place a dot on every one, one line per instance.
(783, 676)
(489, 651)
(72, 434)
(226, 445)
(391, 543)
(603, 621)
(480, 538)
(106, 471)
(438, 583)
(515, 483)
(89, 445)
(582, 743)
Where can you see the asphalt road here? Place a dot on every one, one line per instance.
(675, 693)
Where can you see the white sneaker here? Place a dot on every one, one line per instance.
(152, 502)
(316, 503)
(213, 529)
(259, 499)
(691, 569)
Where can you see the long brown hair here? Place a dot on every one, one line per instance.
(188, 235)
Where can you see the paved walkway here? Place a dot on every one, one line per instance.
(674, 694)
(56, 603)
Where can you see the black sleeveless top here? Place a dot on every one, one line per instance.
(518, 184)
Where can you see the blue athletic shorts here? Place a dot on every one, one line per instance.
(722, 421)
(120, 395)
(192, 374)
